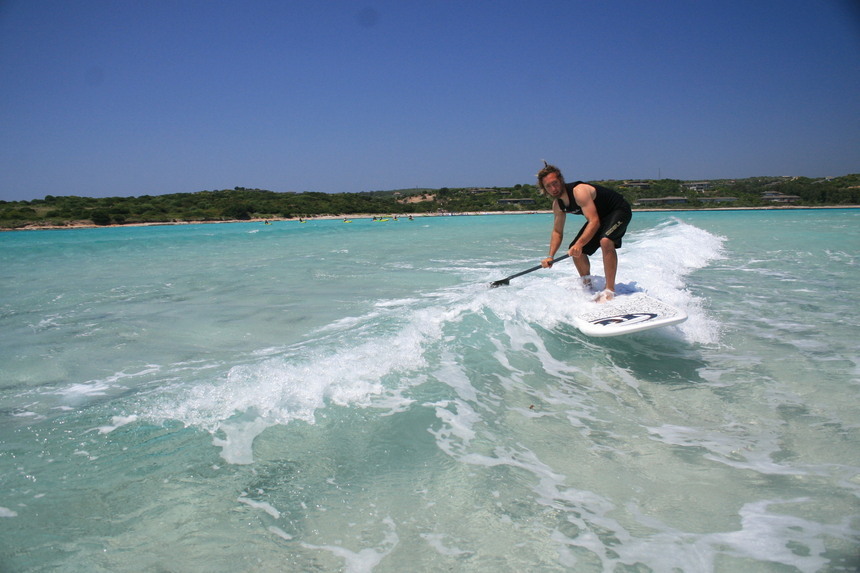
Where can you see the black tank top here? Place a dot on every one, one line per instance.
(606, 200)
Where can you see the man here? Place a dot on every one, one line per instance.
(607, 214)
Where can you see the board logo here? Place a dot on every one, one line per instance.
(629, 318)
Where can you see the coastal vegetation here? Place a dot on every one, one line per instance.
(246, 204)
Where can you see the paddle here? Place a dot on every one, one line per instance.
(506, 281)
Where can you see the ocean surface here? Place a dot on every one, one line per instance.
(330, 396)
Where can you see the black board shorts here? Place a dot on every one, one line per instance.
(612, 227)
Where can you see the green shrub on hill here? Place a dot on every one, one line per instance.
(241, 203)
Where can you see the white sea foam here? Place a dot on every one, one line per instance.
(25, 414)
(116, 422)
(282, 390)
(94, 388)
(238, 441)
(262, 505)
(102, 386)
(659, 261)
(764, 535)
(738, 446)
(280, 533)
(457, 430)
(365, 560)
(437, 542)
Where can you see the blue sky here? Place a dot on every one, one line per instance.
(116, 97)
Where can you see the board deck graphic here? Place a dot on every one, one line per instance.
(628, 313)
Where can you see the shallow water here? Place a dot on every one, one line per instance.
(352, 397)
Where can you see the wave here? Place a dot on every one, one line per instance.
(374, 358)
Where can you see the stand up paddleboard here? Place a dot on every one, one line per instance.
(627, 313)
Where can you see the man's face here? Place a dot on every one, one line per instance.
(553, 185)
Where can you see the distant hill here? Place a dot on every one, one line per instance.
(245, 204)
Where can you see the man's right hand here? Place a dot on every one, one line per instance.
(546, 263)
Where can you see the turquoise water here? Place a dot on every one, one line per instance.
(335, 396)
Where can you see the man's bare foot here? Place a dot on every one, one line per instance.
(586, 281)
(604, 296)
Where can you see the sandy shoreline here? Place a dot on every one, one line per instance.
(86, 225)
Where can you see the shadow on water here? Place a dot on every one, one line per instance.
(658, 356)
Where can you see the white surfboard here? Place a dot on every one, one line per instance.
(627, 313)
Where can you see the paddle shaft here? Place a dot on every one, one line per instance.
(507, 280)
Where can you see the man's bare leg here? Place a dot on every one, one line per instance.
(610, 268)
(610, 262)
(583, 267)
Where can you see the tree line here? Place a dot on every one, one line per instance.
(245, 204)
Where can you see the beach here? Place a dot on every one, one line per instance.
(90, 225)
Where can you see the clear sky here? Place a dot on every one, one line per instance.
(121, 97)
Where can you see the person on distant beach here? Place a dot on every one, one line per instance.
(607, 215)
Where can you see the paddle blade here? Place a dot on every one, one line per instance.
(503, 282)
